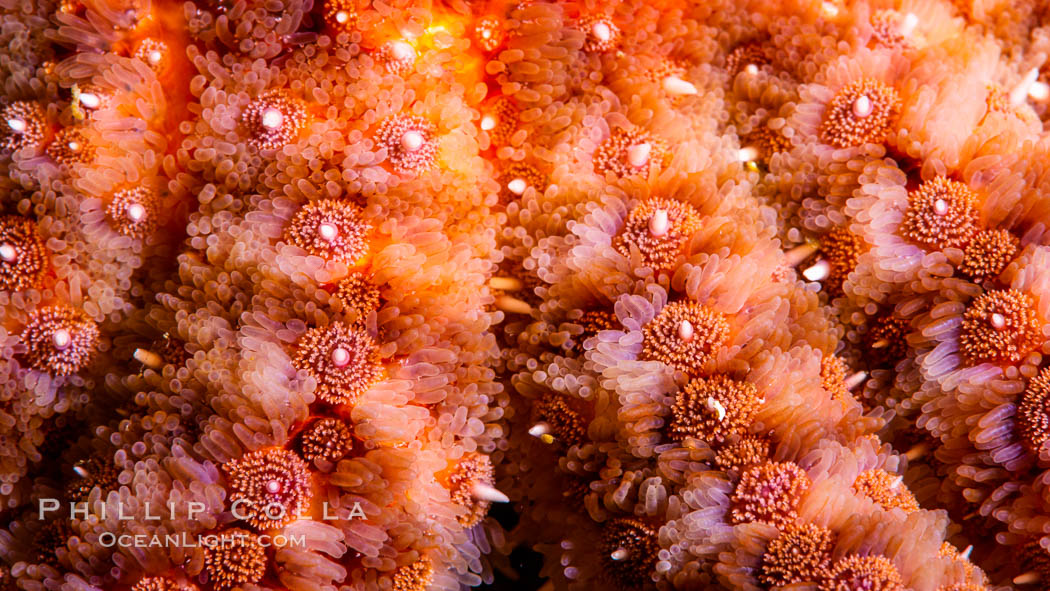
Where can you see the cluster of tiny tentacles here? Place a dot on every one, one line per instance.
(348, 294)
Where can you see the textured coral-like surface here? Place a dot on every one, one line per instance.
(361, 295)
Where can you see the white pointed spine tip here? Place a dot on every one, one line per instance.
(1028, 578)
(539, 429)
(965, 554)
(340, 357)
(917, 451)
(716, 406)
(513, 305)
(817, 271)
(485, 492)
(940, 207)
(136, 212)
(273, 487)
(880, 344)
(506, 283)
(800, 253)
(829, 9)
(148, 358)
(659, 223)
(675, 86)
(896, 482)
(17, 125)
(862, 107)
(342, 17)
(747, 154)
(911, 20)
(619, 554)
(327, 231)
(81, 471)
(517, 186)
(685, 330)
(856, 379)
(90, 100)
(61, 339)
(272, 118)
(402, 51)
(638, 154)
(8, 253)
(488, 122)
(411, 141)
(998, 321)
(601, 31)
(1020, 92)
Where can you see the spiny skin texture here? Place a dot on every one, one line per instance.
(330, 229)
(801, 553)
(341, 359)
(238, 560)
(23, 256)
(271, 487)
(1000, 326)
(885, 489)
(850, 122)
(60, 340)
(769, 493)
(273, 120)
(628, 550)
(863, 572)
(685, 349)
(941, 213)
(659, 228)
(713, 409)
(687, 283)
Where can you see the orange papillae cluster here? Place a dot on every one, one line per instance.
(340, 15)
(327, 440)
(628, 549)
(769, 493)
(941, 213)
(988, 254)
(271, 487)
(470, 473)
(331, 229)
(154, 53)
(59, 340)
(409, 142)
(273, 120)
(237, 559)
(601, 34)
(742, 56)
(1033, 412)
(342, 360)
(833, 377)
(874, 573)
(71, 146)
(489, 32)
(685, 335)
(23, 256)
(660, 230)
(714, 408)
(397, 56)
(747, 451)
(134, 211)
(414, 577)
(162, 584)
(1000, 326)
(863, 112)
(358, 295)
(842, 248)
(885, 489)
(630, 152)
(567, 425)
(22, 124)
(800, 554)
